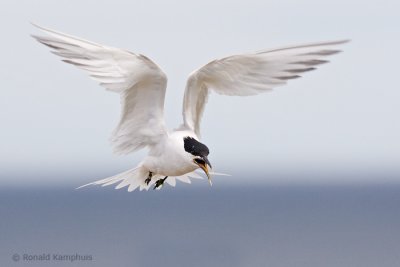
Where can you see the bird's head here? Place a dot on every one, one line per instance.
(198, 153)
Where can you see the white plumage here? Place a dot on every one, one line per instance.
(142, 84)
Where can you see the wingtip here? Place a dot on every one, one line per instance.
(343, 41)
(34, 36)
(46, 30)
(36, 25)
(337, 42)
(40, 28)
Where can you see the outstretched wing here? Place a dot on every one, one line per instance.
(250, 74)
(139, 81)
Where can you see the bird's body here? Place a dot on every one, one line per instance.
(175, 155)
(168, 158)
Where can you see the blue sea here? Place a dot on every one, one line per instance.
(196, 225)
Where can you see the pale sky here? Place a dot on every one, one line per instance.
(340, 119)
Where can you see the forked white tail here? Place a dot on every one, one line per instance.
(135, 178)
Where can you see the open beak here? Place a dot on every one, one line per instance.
(204, 167)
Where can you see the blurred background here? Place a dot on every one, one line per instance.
(315, 164)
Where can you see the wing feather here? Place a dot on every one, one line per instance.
(139, 81)
(250, 74)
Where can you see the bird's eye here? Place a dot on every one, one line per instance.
(200, 161)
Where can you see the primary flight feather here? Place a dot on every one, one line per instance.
(175, 155)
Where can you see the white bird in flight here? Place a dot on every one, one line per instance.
(141, 84)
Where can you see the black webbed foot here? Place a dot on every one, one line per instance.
(148, 179)
(160, 182)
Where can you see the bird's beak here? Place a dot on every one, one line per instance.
(204, 167)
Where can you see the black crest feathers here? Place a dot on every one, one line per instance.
(194, 147)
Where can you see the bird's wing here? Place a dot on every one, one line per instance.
(250, 74)
(139, 81)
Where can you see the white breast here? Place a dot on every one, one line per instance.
(169, 158)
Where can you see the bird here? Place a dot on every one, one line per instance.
(176, 154)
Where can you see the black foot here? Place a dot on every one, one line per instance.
(148, 179)
(160, 182)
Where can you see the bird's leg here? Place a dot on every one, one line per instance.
(148, 179)
(160, 182)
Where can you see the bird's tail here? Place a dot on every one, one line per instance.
(134, 178)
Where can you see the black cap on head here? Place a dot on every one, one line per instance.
(194, 147)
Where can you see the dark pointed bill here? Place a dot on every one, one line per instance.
(204, 167)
